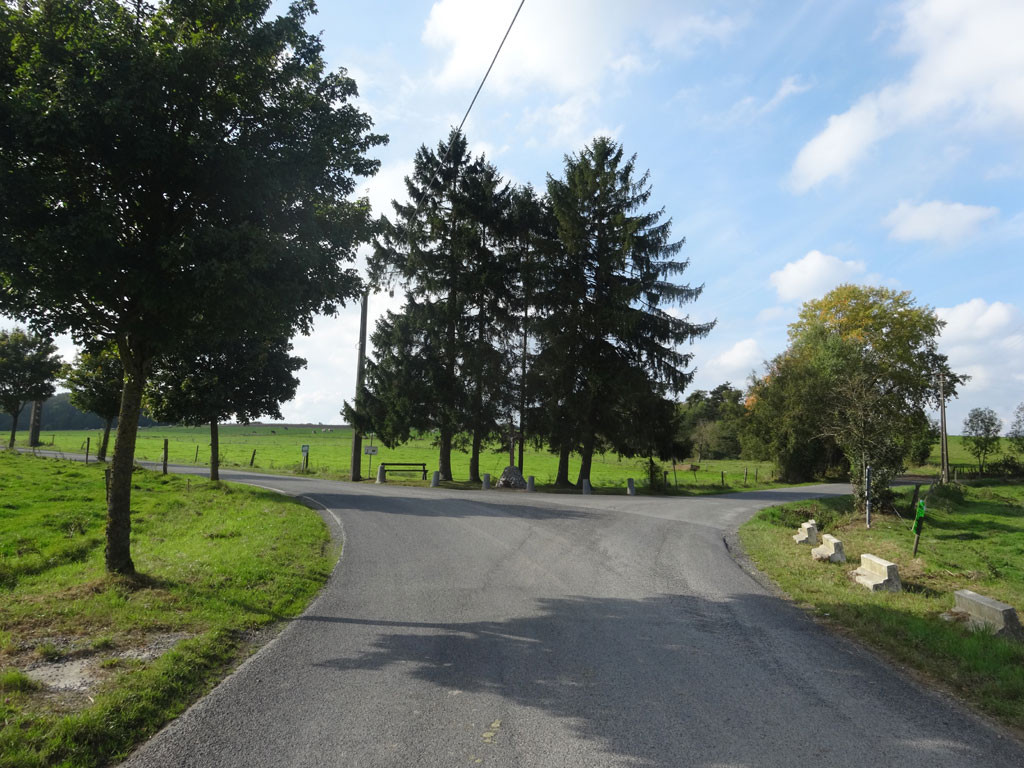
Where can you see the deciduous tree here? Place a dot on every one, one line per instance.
(214, 380)
(170, 168)
(981, 434)
(1016, 431)
(28, 367)
(874, 352)
(96, 380)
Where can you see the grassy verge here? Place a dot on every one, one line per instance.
(973, 539)
(215, 563)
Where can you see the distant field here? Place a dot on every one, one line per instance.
(960, 456)
(278, 449)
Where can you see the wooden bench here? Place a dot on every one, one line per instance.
(985, 613)
(877, 574)
(402, 466)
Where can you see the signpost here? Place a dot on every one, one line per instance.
(918, 525)
(371, 451)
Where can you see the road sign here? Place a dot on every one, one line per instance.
(370, 450)
(305, 450)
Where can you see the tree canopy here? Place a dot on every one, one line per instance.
(168, 167)
(869, 367)
(95, 381)
(981, 434)
(243, 378)
(28, 367)
(605, 342)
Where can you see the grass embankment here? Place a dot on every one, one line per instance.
(215, 562)
(278, 449)
(973, 539)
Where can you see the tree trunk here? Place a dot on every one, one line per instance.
(14, 427)
(562, 478)
(214, 451)
(444, 458)
(119, 523)
(586, 460)
(101, 455)
(474, 458)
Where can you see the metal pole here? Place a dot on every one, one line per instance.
(944, 471)
(867, 495)
(357, 438)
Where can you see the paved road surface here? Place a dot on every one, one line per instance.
(501, 629)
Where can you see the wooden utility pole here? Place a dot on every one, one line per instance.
(34, 421)
(357, 438)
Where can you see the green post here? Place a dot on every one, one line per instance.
(918, 525)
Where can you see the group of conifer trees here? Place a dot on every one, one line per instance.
(551, 314)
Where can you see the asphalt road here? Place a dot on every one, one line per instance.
(506, 629)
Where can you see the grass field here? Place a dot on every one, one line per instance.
(278, 449)
(215, 562)
(959, 455)
(973, 539)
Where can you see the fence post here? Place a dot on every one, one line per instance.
(165, 455)
(88, 441)
(723, 478)
(253, 459)
(744, 475)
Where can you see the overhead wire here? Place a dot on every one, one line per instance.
(469, 109)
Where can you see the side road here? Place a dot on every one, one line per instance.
(528, 630)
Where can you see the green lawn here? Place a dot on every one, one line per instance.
(215, 562)
(973, 539)
(278, 449)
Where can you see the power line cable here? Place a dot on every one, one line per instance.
(470, 108)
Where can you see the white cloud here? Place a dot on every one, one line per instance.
(814, 275)
(976, 320)
(984, 340)
(935, 220)
(791, 86)
(969, 69)
(569, 51)
(771, 314)
(735, 363)
(843, 142)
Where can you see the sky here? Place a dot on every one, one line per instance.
(795, 146)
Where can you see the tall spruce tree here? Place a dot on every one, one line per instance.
(446, 248)
(605, 339)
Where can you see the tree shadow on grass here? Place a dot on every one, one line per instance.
(676, 680)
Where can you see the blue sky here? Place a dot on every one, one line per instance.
(794, 145)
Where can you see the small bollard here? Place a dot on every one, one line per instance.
(529, 484)
(630, 487)
(87, 440)
(165, 455)
(487, 481)
(723, 479)
(381, 475)
(587, 490)
(435, 480)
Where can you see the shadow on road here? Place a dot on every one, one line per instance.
(676, 680)
(446, 507)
